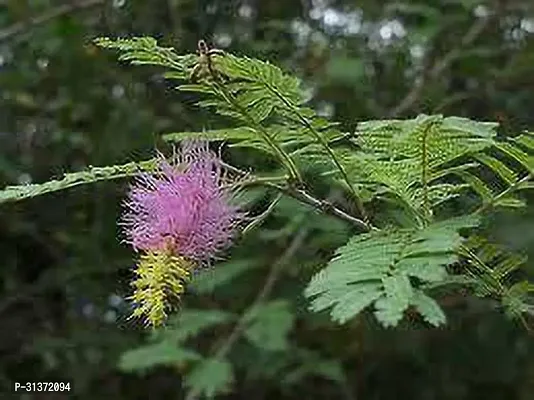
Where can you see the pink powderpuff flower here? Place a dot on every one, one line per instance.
(178, 217)
(185, 208)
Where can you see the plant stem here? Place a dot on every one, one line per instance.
(323, 143)
(305, 197)
(284, 157)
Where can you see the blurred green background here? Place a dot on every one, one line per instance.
(66, 105)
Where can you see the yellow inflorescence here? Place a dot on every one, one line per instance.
(160, 280)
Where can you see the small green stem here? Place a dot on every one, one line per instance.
(91, 175)
(424, 174)
(504, 193)
(304, 197)
(323, 143)
(260, 218)
(283, 156)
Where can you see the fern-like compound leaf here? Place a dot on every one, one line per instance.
(385, 269)
(416, 163)
(210, 377)
(92, 175)
(146, 51)
(493, 268)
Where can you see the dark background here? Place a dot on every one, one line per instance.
(65, 105)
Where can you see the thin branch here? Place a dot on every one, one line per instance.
(260, 218)
(305, 197)
(265, 291)
(221, 350)
(228, 96)
(441, 65)
(323, 142)
(324, 206)
(20, 27)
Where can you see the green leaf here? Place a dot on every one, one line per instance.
(428, 267)
(428, 308)
(145, 51)
(221, 274)
(232, 134)
(397, 297)
(269, 324)
(515, 299)
(389, 310)
(92, 175)
(210, 378)
(407, 159)
(509, 202)
(501, 169)
(354, 301)
(311, 363)
(479, 186)
(398, 287)
(492, 268)
(376, 268)
(515, 153)
(526, 140)
(525, 185)
(330, 369)
(484, 130)
(150, 356)
(191, 322)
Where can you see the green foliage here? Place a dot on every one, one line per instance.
(94, 174)
(415, 165)
(495, 272)
(210, 279)
(511, 162)
(191, 322)
(254, 93)
(154, 355)
(311, 363)
(238, 135)
(409, 163)
(381, 268)
(269, 324)
(206, 377)
(66, 105)
(145, 51)
(406, 161)
(210, 377)
(167, 344)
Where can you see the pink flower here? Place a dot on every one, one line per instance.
(183, 208)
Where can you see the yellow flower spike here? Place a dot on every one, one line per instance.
(161, 279)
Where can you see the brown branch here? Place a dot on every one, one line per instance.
(221, 350)
(441, 65)
(324, 206)
(304, 197)
(265, 291)
(20, 27)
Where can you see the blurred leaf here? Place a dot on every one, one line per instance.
(269, 324)
(150, 356)
(311, 363)
(345, 70)
(210, 377)
(429, 309)
(399, 294)
(190, 322)
(221, 274)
